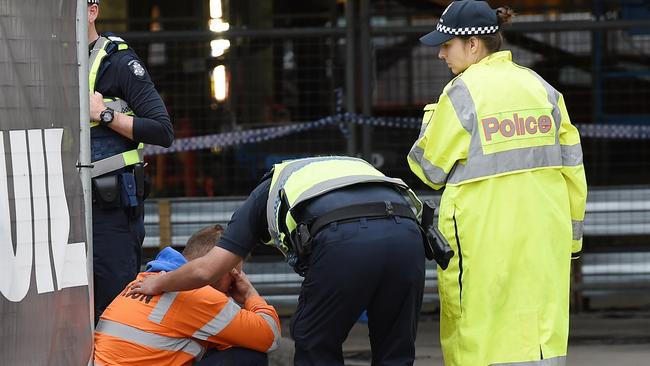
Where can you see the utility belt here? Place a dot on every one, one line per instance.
(434, 247)
(126, 189)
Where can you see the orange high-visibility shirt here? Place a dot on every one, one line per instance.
(175, 328)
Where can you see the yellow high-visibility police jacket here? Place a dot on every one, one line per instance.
(501, 142)
(297, 181)
(122, 156)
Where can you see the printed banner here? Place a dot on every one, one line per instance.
(44, 295)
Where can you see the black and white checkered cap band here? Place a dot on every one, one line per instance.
(93, 2)
(468, 31)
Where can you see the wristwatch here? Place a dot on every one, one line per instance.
(106, 116)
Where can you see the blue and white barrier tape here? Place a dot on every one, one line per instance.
(237, 137)
(631, 132)
(636, 132)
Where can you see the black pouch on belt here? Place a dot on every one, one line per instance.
(141, 187)
(436, 246)
(107, 191)
(302, 244)
(138, 173)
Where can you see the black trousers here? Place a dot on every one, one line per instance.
(117, 250)
(375, 265)
(234, 357)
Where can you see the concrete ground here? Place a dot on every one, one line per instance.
(596, 339)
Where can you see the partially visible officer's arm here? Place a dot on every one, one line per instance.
(151, 124)
(442, 142)
(573, 171)
(248, 225)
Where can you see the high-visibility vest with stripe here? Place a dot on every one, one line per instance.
(297, 181)
(499, 139)
(109, 150)
(175, 328)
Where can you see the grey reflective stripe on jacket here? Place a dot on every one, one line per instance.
(555, 361)
(94, 53)
(160, 342)
(479, 165)
(463, 104)
(274, 328)
(425, 124)
(219, 322)
(332, 184)
(423, 129)
(226, 316)
(508, 161)
(119, 161)
(553, 98)
(162, 306)
(571, 155)
(577, 229)
(433, 173)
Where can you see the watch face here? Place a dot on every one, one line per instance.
(106, 116)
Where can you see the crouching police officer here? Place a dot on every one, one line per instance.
(352, 232)
(125, 111)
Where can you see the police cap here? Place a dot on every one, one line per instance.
(463, 18)
(90, 2)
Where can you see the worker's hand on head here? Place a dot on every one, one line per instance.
(147, 286)
(96, 105)
(242, 288)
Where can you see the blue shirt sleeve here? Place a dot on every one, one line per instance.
(248, 225)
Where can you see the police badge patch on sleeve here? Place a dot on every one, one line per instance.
(136, 69)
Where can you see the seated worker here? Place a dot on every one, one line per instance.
(176, 328)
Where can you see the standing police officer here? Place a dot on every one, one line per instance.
(514, 200)
(125, 111)
(352, 233)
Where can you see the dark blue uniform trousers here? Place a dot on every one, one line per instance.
(369, 264)
(234, 357)
(117, 250)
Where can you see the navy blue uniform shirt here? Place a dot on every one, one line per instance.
(248, 225)
(120, 76)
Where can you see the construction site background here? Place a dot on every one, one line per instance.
(249, 84)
